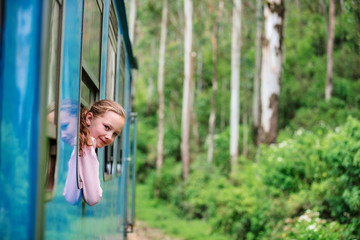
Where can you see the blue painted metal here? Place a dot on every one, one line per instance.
(60, 215)
(104, 44)
(20, 118)
(124, 27)
(105, 36)
(134, 118)
(22, 123)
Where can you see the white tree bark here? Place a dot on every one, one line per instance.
(185, 120)
(235, 84)
(212, 117)
(193, 117)
(330, 50)
(271, 69)
(256, 99)
(161, 76)
(132, 19)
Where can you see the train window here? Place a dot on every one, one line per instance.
(110, 83)
(91, 40)
(53, 96)
(121, 101)
(89, 90)
(122, 73)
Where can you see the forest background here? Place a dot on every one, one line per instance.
(303, 185)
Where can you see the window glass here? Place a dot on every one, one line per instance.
(110, 84)
(110, 73)
(52, 100)
(122, 73)
(121, 101)
(91, 36)
(85, 93)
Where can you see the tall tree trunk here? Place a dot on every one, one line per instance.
(212, 117)
(256, 100)
(150, 83)
(224, 90)
(132, 21)
(330, 49)
(271, 69)
(161, 76)
(193, 118)
(150, 89)
(185, 120)
(235, 85)
(245, 133)
(341, 6)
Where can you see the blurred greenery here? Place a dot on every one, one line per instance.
(307, 185)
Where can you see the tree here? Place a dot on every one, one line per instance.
(212, 117)
(235, 84)
(185, 119)
(132, 20)
(161, 76)
(271, 69)
(256, 99)
(330, 50)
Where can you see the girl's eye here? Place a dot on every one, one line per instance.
(106, 127)
(115, 134)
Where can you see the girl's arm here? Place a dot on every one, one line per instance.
(89, 175)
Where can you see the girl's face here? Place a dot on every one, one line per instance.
(105, 128)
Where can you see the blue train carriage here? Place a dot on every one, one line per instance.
(57, 56)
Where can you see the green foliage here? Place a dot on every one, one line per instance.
(310, 227)
(163, 216)
(312, 173)
(342, 155)
(325, 115)
(145, 154)
(268, 198)
(163, 183)
(293, 164)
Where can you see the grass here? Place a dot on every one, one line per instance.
(158, 215)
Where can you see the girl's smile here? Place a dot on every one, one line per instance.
(104, 128)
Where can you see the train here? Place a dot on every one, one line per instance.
(56, 57)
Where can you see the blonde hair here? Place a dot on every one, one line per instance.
(97, 109)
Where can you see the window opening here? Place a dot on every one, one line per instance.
(121, 101)
(52, 100)
(110, 90)
(91, 39)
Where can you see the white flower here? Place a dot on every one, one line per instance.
(299, 132)
(312, 227)
(283, 144)
(304, 217)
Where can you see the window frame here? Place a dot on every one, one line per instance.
(110, 152)
(52, 133)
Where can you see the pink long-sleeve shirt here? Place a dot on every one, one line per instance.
(88, 173)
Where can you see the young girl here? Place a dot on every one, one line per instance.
(99, 127)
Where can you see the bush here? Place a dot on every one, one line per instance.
(310, 226)
(342, 155)
(292, 164)
(163, 184)
(323, 116)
